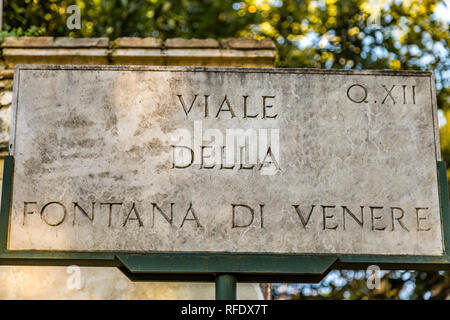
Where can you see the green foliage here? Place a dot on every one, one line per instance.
(33, 31)
(352, 285)
(143, 18)
(308, 33)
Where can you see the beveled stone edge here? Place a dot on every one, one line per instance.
(381, 72)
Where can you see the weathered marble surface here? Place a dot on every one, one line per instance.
(104, 135)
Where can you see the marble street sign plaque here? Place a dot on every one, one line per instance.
(182, 159)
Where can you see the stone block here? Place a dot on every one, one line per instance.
(140, 43)
(191, 43)
(28, 42)
(66, 42)
(247, 43)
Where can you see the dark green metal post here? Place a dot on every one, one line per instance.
(225, 287)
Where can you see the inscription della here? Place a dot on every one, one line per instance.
(224, 160)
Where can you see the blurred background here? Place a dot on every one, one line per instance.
(348, 34)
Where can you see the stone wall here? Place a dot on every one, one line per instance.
(108, 283)
(234, 52)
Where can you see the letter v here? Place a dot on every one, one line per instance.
(180, 97)
(300, 215)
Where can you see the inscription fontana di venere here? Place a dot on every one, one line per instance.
(224, 160)
(238, 212)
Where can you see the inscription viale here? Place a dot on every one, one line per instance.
(225, 107)
(285, 161)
